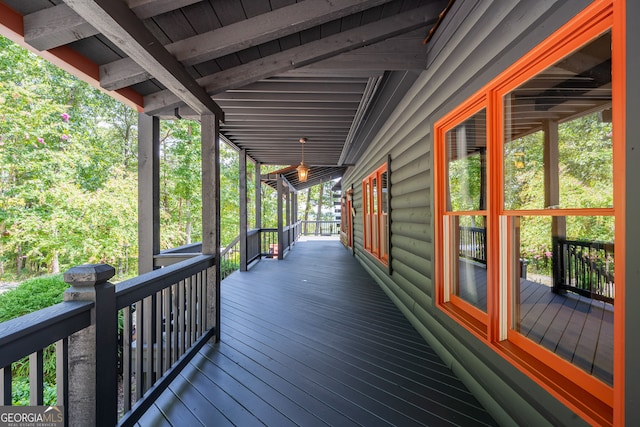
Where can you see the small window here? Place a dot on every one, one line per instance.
(376, 216)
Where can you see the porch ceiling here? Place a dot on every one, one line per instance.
(279, 70)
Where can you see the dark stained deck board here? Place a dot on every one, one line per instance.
(577, 328)
(352, 370)
(547, 318)
(604, 353)
(312, 340)
(553, 335)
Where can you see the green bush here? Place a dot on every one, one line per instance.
(20, 395)
(31, 295)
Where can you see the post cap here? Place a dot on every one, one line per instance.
(89, 274)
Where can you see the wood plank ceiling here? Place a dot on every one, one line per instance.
(278, 70)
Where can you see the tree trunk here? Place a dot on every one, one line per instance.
(319, 211)
(19, 261)
(307, 209)
(188, 226)
(55, 263)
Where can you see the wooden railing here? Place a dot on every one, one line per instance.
(230, 257)
(29, 336)
(268, 238)
(473, 244)
(149, 327)
(320, 228)
(585, 268)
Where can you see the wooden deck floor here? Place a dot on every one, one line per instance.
(312, 340)
(577, 328)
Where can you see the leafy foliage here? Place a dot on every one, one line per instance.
(585, 173)
(67, 169)
(32, 295)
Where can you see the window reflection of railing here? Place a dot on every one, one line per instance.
(473, 244)
(586, 268)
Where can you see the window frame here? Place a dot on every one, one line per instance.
(374, 220)
(593, 400)
(472, 317)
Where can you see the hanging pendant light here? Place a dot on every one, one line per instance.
(303, 170)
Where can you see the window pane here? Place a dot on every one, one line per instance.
(367, 216)
(558, 134)
(384, 222)
(564, 288)
(469, 262)
(466, 146)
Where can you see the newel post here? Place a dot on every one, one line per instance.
(93, 351)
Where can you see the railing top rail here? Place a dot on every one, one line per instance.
(253, 231)
(609, 246)
(133, 290)
(230, 245)
(27, 334)
(189, 248)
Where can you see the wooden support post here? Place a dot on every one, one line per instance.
(93, 351)
(287, 219)
(243, 209)
(552, 194)
(294, 215)
(258, 196)
(148, 191)
(280, 217)
(211, 215)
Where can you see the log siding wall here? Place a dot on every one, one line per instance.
(477, 41)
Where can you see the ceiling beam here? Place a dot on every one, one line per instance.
(238, 36)
(119, 24)
(302, 55)
(60, 25)
(388, 55)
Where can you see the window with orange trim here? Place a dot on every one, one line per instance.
(375, 193)
(526, 214)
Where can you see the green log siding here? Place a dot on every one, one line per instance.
(477, 41)
(632, 297)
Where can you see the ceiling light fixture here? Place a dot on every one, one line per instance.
(303, 170)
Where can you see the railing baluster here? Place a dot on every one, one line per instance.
(5, 386)
(193, 310)
(139, 352)
(199, 302)
(157, 348)
(180, 314)
(174, 323)
(36, 378)
(126, 358)
(166, 309)
(147, 348)
(62, 374)
(187, 312)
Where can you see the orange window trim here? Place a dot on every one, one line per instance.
(595, 401)
(476, 320)
(371, 220)
(618, 72)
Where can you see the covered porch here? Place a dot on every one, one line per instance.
(313, 340)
